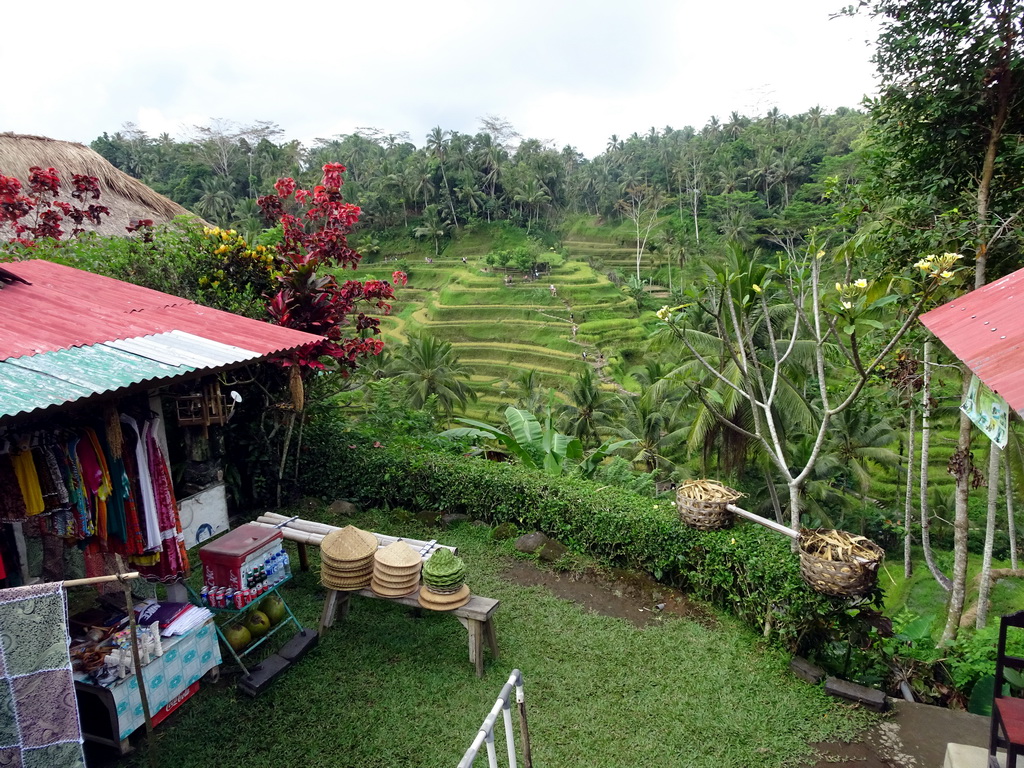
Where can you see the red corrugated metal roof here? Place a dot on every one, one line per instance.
(66, 307)
(985, 329)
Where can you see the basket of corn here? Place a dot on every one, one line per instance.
(702, 504)
(838, 563)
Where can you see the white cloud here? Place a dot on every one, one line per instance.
(574, 72)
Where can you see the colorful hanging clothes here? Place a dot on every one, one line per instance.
(12, 500)
(150, 517)
(28, 481)
(173, 556)
(102, 491)
(76, 490)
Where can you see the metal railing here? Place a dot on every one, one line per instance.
(486, 733)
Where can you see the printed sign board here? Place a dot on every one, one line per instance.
(988, 411)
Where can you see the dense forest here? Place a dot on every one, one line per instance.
(753, 180)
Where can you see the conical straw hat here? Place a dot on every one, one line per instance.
(345, 585)
(435, 602)
(365, 573)
(385, 591)
(386, 580)
(350, 543)
(398, 555)
(412, 570)
(347, 565)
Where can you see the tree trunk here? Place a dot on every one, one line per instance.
(794, 513)
(1003, 93)
(908, 506)
(1011, 525)
(926, 434)
(774, 496)
(990, 533)
(451, 203)
(961, 527)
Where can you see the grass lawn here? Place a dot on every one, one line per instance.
(384, 689)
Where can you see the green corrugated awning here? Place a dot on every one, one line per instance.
(34, 382)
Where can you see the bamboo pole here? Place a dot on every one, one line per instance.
(309, 532)
(771, 524)
(102, 579)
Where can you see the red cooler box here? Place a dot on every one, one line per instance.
(227, 558)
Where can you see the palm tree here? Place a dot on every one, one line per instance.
(531, 195)
(859, 442)
(589, 410)
(437, 145)
(432, 226)
(432, 370)
(217, 201)
(527, 389)
(649, 420)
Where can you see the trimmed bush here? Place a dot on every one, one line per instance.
(747, 569)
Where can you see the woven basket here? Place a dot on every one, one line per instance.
(841, 578)
(703, 515)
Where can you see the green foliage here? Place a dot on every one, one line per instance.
(213, 267)
(747, 568)
(620, 474)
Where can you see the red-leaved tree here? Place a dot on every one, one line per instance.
(316, 224)
(35, 213)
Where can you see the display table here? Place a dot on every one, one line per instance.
(111, 714)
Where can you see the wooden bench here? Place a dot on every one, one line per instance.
(475, 616)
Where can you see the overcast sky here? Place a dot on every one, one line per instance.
(569, 72)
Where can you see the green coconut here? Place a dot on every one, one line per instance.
(444, 571)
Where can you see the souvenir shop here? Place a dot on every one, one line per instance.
(95, 376)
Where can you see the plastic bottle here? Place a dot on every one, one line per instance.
(287, 563)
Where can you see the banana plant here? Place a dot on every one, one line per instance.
(537, 446)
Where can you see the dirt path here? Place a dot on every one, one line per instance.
(639, 600)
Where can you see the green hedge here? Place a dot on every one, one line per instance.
(746, 569)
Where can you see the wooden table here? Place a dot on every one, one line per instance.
(475, 616)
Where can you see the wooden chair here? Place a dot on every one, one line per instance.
(1007, 712)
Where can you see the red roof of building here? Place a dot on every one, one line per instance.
(66, 307)
(985, 329)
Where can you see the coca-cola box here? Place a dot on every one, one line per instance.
(226, 559)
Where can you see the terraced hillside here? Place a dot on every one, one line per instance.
(502, 327)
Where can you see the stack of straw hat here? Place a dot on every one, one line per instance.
(444, 587)
(396, 570)
(346, 559)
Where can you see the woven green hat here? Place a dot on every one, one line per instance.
(444, 572)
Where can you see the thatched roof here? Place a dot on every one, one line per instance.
(125, 196)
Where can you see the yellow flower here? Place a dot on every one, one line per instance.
(847, 305)
(655, 506)
(756, 287)
(663, 313)
(862, 283)
(839, 287)
(946, 275)
(820, 254)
